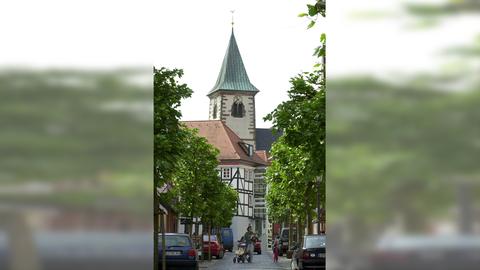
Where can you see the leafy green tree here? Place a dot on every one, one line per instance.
(168, 93)
(298, 165)
(286, 176)
(220, 206)
(197, 190)
(302, 121)
(196, 175)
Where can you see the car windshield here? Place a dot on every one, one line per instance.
(177, 240)
(227, 233)
(315, 241)
(213, 237)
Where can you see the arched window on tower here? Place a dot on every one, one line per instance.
(238, 110)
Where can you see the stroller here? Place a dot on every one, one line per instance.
(241, 254)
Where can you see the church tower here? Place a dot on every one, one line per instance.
(232, 99)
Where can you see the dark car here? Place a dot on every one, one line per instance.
(216, 247)
(439, 252)
(283, 243)
(179, 252)
(312, 254)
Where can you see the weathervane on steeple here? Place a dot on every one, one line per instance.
(232, 11)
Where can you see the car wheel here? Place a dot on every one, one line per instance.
(260, 252)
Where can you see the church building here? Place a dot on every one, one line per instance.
(243, 147)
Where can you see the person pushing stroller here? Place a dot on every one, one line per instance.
(248, 236)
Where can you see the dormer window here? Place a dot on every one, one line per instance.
(247, 148)
(238, 109)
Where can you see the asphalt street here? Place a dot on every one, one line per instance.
(262, 261)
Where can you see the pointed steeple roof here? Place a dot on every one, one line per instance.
(233, 76)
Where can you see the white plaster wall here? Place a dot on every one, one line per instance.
(239, 227)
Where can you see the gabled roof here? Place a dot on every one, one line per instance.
(264, 138)
(224, 139)
(233, 76)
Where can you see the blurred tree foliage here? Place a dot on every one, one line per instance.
(399, 149)
(81, 133)
(410, 145)
(446, 7)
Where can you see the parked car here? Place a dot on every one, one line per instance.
(439, 252)
(179, 252)
(312, 253)
(216, 247)
(258, 246)
(283, 243)
(226, 238)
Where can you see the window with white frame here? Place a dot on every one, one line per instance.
(225, 172)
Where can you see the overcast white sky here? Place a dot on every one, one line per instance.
(193, 35)
(273, 42)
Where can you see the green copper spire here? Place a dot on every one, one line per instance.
(233, 76)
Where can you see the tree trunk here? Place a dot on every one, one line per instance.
(209, 247)
(309, 223)
(190, 226)
(217, 230)
(319, 218)
(290, 229)
(299, 232)
(162, 228)
(156, 211)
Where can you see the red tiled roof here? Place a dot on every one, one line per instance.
(225, 140)
(263, 155)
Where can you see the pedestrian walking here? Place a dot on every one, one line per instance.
(275, 250)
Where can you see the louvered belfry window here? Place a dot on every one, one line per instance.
(238, 110)
(215, 111)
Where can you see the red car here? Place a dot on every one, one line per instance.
(216, 248)
(258, 247)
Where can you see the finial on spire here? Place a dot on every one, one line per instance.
(232, 11)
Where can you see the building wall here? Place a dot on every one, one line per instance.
(215, 99)
(239, 227)
(243, 183)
